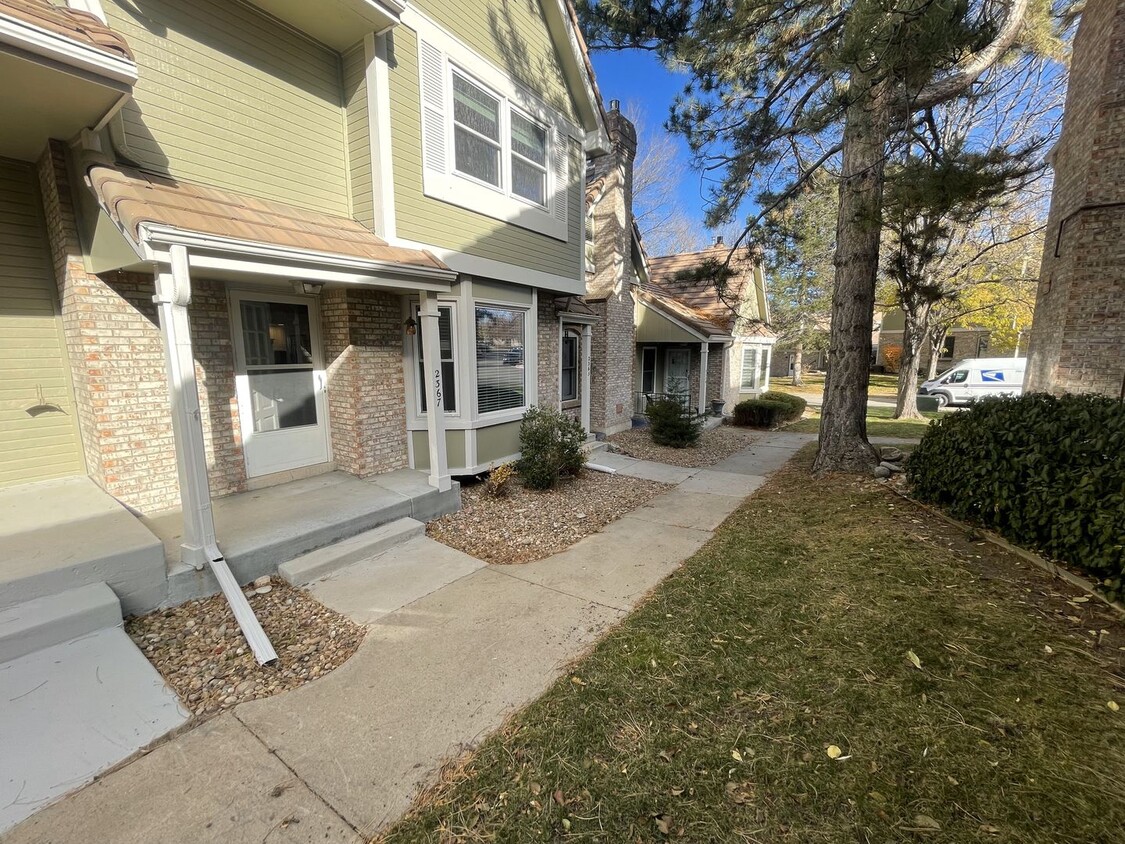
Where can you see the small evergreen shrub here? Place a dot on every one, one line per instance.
(550, 446)
(761, 413)
(1046, 472)
(671, 424)
(796, 404)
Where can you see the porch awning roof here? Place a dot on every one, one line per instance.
(74, 24)
(135, 199)
(678, 314)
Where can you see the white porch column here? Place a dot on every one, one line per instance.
(703, 353)
(587, 344)
(199, 546)
(435, 404)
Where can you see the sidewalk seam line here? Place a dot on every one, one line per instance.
(293, 771)
(561, 591)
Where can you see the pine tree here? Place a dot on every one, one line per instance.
(779, 88)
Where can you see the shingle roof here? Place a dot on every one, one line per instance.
(659, 299)
(71, 23)
(133, 197)
(701, 294)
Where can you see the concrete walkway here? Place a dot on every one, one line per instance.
(340, 758)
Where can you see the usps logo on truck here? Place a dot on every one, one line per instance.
(992, 375)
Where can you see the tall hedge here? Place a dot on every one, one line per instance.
(1046, 472)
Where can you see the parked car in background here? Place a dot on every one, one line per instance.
(974, 378)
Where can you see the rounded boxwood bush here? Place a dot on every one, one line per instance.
(761, 413)
(796, 404)
(1047, 472)
(550, 446)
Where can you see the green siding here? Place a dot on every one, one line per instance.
(500, 292)
(359, 139)
(230, 97)
(454, 449)
(431, 221)
(497, 442)
(38, 432)
(513, 36)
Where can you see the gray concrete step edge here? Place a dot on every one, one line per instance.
(53, 619)
(323, 561)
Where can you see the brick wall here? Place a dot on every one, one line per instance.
(715, 391)
(547, 338)
(1077, 341)
(612, 349)
(366, 391)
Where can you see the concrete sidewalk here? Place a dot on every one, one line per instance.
(340, 758)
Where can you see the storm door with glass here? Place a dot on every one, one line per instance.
(280, 382)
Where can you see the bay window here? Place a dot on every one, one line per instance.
(501, 372)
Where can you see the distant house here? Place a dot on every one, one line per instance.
(695, 342)
(961, 341)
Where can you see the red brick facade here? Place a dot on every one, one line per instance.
(1078, 336)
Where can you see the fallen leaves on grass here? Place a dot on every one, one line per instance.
(527, 525)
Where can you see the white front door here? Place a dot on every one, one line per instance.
(676, 377)
(279, 374)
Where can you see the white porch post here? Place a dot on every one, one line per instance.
(587, 344)
(435, 405)
(199, 546)
(703, 353)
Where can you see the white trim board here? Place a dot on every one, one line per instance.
(487, 268)
(69, 53)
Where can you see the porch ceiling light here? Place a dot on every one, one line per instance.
(411, 327)
(312, 288)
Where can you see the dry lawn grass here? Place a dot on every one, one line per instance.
(834, 666)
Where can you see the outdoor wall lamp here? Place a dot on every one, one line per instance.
(411, 327)
(312, 288)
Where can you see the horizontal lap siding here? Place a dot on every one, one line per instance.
(431, 221)
(359, 139)
(32, 361)
(228, 96)
(511, 35)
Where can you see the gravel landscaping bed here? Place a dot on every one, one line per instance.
(526, 525)
(714, 445)
(199, 650)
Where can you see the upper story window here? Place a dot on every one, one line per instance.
(491, 146)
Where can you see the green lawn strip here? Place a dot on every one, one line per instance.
(879, 424)
(706, 716)
(878, 385)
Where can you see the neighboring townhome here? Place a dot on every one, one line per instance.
(245, 244)
(704, 342)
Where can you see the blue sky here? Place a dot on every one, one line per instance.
(638, 78)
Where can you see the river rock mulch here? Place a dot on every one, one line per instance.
(525, 525)
(199, 650)
(714, 445)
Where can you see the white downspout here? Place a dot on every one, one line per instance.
(587, 344)
(435, 404)
(199, 546)
(704, 351)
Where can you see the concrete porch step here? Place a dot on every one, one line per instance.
(594, 447)
(78, 697)
(324, 561)
(53, 619)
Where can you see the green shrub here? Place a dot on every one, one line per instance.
(762, 413)
(550, 446)
(1046, 472)
(796, 404)
(672, 424)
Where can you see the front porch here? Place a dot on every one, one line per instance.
(261, 529)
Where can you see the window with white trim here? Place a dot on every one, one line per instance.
(447, 349)
(501, 335)
(488, 147)
(750, 371)
(569, 369)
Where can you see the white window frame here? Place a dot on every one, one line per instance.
(415, 359)
(530, 362)
(452, 124)
(761, 353)
(441, 181)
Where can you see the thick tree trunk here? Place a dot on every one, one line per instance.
(914, 335)
(798, 363)
(843, 427)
